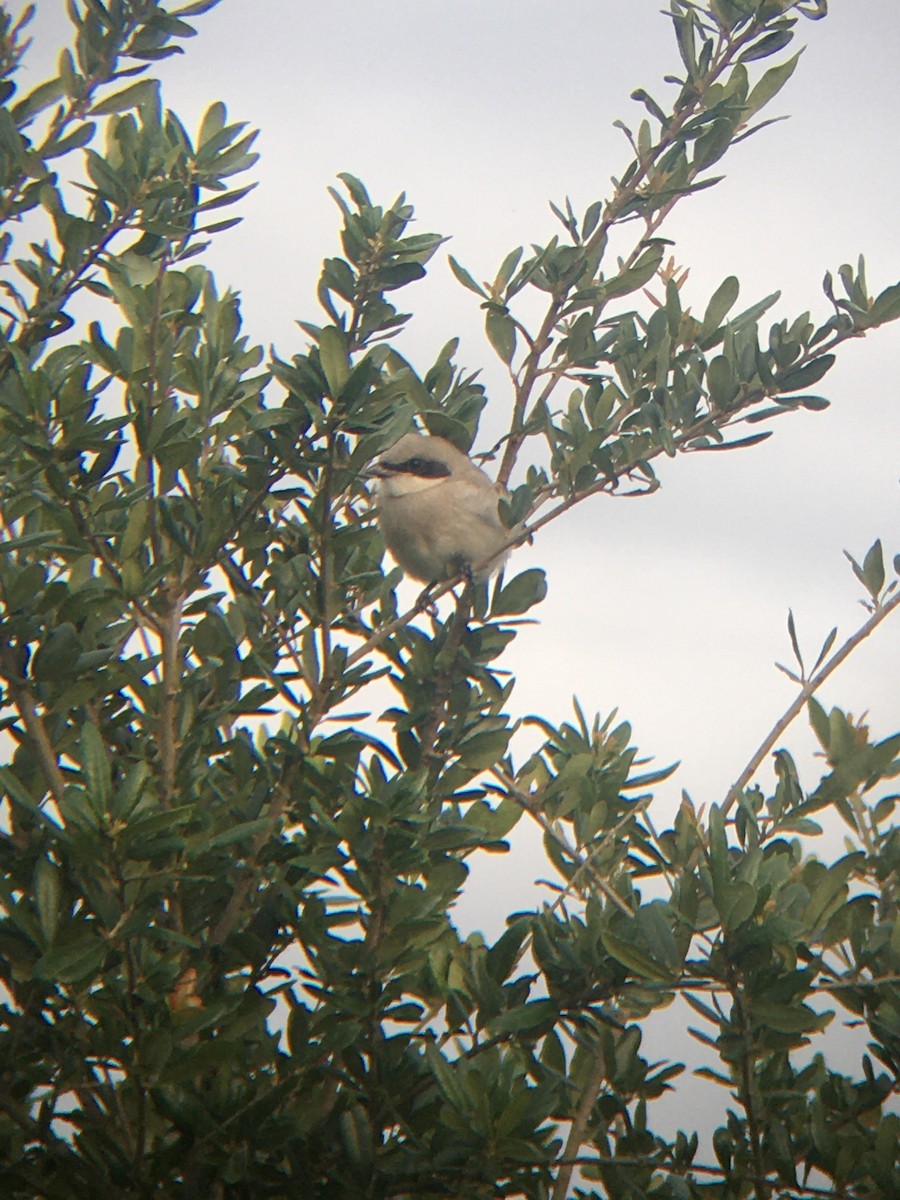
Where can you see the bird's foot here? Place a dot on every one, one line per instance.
(425, 603)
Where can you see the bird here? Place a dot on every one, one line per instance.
(438, 512)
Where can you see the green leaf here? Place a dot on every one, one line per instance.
(807, 375)
(130, 790)
(36, 100)
(138, 269)
(719, 861)
(886, 306)
(135, 529)
(357, 1136)
(397, 275)
(71, 963)
(738, 904)
(131, 97)
(111, 185)
(818, 719)
(720, 380)
(792, 632)
(736, 443)
(873, 569)
(96, 768)
(20, 795)
(501, 332)
(238, 833)
(507, 270)
(481, 750)
(520, 594)
(47, 894)
(685, 34)
(720, 304)
(355, 187)
(445, 1077)
(770, 85)
(57, 655)
(212, 123)
(712, 145)
(752, 314)
(553, 1056)
(74, 140)
(789, 1018)
(872, 573)
(644, 97)
(655, 924)
(503, 955)
(525, 1016)
(496, 821)
(465, 278)
(770, 43)
(826, 646)
(334, 358)
(24, 541)
(643, 270)
(635, 959)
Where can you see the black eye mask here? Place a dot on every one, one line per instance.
(425, 468)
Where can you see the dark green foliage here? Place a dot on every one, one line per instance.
(227, 957)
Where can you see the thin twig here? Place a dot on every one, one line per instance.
(228, 921)
(39, 1132)
(422, 604)
(727, 53)
(443, 682)
(170, 631)
(561, 840)
(37, 732)
(748, 1086)
(326, 556)
(808, 689)
(684, 1169)
(579, 1126)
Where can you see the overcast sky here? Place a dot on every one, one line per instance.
(672, 608)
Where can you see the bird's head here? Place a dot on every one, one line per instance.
(416, 463)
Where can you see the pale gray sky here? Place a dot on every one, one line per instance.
(671, 609)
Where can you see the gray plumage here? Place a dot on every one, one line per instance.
(437, 511)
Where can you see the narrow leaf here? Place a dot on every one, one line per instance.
(334, 358)
(793, 636)
(465, 278)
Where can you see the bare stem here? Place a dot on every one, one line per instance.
(326, 565)
(170, 631)
(578, 1129)
(443, 682)
(748, 1089)
(584, 863)
(639, 175)
(230, 917)
(809, 689)
(694, 1168)
(530, 369)
(36, 730)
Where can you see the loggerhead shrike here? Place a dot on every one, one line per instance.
(437, 511)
